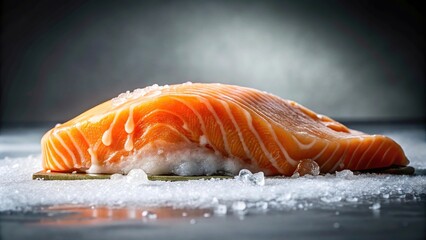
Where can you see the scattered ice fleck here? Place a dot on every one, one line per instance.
(305, 167)
(352, 199)
(336, 225)
(331, 199)
(345, 174)
(239, 206)
(409, 196)
(184, 214)
(116, 176)
(221, 209)
(203, 140)
(261, 205)
(295, 175)
(206, 215)
(139, 92)
(375, 206)
(385, 195)
(192, 221)
(149, 214)
(137, 175)
(247, 177)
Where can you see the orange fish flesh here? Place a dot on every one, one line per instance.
(197, 129)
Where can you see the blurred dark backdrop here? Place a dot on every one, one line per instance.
(356, 60)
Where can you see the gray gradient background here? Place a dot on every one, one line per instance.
(349, 60)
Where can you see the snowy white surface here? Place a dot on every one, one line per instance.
(19, 192)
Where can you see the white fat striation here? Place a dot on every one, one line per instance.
(361, 140)
(322, 151)
(289, 159)
(303, 146)
(81, 156)
(128, 145)
(360, 160)
(107, 136)
(260, 141)
(237, 128)
(160, 157)
(386, 153)
(95, 167)
(374, 155)
(331, 158)
(340, 163)
(199, 117)
(51, 149)
(207, 103)
(245, 104)
(129, 126)
(61, 141)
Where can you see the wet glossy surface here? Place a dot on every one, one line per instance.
(392, 221)
(398, 217)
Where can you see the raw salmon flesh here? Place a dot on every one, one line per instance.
(193, 129)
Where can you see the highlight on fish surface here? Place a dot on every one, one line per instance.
(205, 129)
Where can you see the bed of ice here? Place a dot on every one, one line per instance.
(248, 192)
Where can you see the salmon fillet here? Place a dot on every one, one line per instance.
(193, 129)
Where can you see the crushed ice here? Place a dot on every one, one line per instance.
(239, 206)
(306, 167)
(134, 176)
(149, 214)
(239, 195)
(375, 206)
(221, 209)
(247, 177)
(151, 91)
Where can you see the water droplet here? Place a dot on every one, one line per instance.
(107, 138)
(128, 145)
(129, 125)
